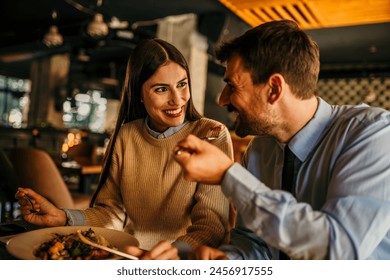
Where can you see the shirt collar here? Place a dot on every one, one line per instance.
(307, 138)
(161, 135)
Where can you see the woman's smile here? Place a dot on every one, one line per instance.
(174, 113)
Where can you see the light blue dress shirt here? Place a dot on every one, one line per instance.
(342, 204)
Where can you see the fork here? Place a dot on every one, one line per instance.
(113, 251)
(212, 134)
(32, 210)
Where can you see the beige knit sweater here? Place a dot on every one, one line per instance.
(147, 196)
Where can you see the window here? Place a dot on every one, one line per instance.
(14, 101)
(86, 111)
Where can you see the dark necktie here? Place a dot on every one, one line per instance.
(288, 171)
(288, 177)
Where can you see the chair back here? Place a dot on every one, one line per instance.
(35, 169)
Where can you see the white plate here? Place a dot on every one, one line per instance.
(24, 245)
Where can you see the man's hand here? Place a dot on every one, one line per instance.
(201, 161)
(162, 251)
(207, 253)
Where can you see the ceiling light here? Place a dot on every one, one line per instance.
(53, 38)
(97, 28)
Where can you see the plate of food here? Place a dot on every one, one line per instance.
(62, 243)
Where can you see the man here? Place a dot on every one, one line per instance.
(337, 204)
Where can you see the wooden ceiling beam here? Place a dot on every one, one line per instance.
(312, 13)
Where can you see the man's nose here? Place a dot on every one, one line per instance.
(224, 97)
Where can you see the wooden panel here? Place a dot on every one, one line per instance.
(354, 12)
(311, 17)
(262, 14)
(272, 13)
(251, 17)
(311, 14)
(298, 17)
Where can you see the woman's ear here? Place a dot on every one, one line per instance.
(276, 83)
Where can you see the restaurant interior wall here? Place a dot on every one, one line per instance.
(372, 90)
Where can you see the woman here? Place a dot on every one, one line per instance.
(141, 189)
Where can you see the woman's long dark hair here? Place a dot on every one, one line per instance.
(144, 61)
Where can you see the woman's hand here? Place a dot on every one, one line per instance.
(47, 215)
(162, 251)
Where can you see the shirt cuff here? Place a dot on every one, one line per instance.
(75, 217)
(235, 176)
(184, 249)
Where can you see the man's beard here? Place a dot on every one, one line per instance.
(249, 126)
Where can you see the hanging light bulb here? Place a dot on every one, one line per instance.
(97, 27)
(53, 38)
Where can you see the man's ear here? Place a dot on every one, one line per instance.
(276, 83)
